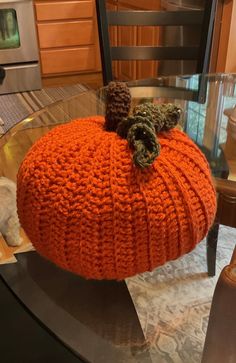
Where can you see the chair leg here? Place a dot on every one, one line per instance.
(212, 239)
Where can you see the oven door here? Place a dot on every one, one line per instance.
(18, 41)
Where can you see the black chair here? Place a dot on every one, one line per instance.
(2, 74)
(202, 18)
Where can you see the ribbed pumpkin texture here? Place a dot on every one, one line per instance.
(86, 207)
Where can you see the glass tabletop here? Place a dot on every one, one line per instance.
(207, 103)
(97, 319)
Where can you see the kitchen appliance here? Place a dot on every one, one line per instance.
(19, 55)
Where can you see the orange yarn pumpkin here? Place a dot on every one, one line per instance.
(86, 207)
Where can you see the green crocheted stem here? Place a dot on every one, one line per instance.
(165, 115)
(140, 128)
(125, 125)
(158, 118)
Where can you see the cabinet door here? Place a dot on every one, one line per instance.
(127, 35)
(147, 36)
(142, 36)
(60, 10)
(67, 60)
(68, 38)
(129, 70)
(66, 34)
(111, 5)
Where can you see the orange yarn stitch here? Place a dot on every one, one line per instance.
(88, 209)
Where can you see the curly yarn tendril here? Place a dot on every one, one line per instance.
(124, 126)
(142, 138)
(140, 132)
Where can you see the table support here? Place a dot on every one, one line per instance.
(212, 239)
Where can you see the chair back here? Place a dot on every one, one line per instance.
(204, 19)
(2, 74)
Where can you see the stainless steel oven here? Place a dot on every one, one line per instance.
(19, 54)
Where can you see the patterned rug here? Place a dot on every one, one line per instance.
(173, 302)
(17, 106)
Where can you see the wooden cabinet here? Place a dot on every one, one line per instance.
(112, 5)
(56, 10)
(126, 70)
(68, 38)
(126, 36)
(147, 36)
(69, 45)
(225, 44)
(223, 54)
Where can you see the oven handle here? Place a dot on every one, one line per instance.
(16, 1)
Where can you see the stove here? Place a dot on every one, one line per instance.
(19, 55)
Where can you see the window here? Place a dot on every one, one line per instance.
(9, 33)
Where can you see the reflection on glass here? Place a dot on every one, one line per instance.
(9, 33)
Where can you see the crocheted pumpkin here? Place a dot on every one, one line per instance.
(92, 208)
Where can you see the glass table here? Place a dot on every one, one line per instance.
(97, 320)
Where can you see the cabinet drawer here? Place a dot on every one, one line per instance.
(64, 10)
(52, 35)
(68, 60)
